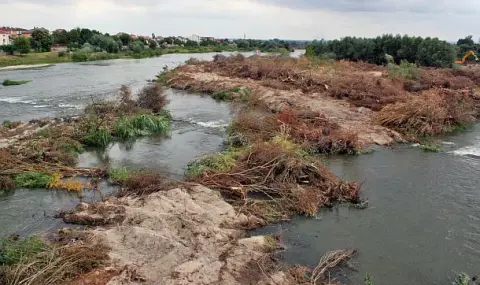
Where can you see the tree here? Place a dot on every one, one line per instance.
(60, 37)
(152, 44)
(74, 36)
(466, 41)
(125, 38)
(137, 46)
(43, 38)
(85, 35)
(22, 45)
(190, 43)
(9, 49)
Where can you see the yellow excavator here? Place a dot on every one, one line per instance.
(466, 55)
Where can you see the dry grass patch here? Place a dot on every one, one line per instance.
(432, 112)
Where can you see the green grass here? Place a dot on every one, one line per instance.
(16, 250)
(32, 58)
(216, 162)
(99, 137)
(118, 175)
(8, 82)
(32, 180)
(430, 148)
(141, 125)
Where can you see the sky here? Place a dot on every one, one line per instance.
(261, 19)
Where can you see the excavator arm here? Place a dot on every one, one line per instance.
(467, 54)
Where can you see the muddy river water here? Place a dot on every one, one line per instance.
(422, 225)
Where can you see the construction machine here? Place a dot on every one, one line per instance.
(466, 55)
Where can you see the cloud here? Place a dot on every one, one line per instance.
(299, 19)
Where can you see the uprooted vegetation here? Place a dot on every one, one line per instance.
(280, 173)
(32, 261)
(46, 157)
(442, 98)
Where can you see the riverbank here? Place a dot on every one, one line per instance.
(374, 103)
(212, 246)
(8, 62)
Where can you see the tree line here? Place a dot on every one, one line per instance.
(422, 51)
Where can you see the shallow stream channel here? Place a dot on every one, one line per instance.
(422, 225)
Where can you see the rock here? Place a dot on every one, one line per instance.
(254, 243)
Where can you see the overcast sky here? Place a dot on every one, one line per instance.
(286, 19)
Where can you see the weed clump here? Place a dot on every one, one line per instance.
(8, 82)
(118, 175)
(141, 125)
(32, 180)
(223, 161)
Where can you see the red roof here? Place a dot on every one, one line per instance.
(4, 32)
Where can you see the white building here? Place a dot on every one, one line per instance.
(4, 37)
(194, 38)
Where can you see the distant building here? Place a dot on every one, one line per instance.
(27, 33)
(194, 38)
(182, 39)
(208, 39)
(4, 37)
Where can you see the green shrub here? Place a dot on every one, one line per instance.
(223, 95)
(79, 56)
(405, 70)
(7, 124)
(32, 180)
(141, 125)
(62, 54)
(14, 250)
(99, 137)
(430, 148)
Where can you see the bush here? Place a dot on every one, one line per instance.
(62, 54)
(152, 97)
(80, 56)
(32, 180)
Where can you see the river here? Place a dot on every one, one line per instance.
(423, 221)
